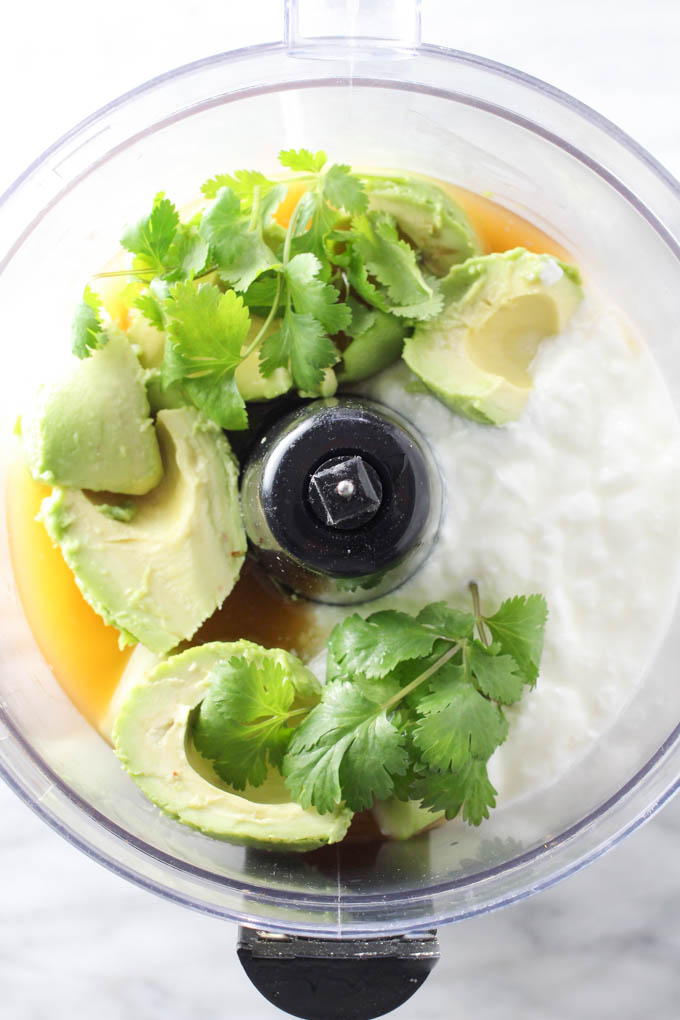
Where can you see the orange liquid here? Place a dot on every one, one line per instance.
(80, 649)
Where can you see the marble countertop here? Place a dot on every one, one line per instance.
(76, 941)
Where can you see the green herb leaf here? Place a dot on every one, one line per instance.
(188, 254)
(376, 250)
(152, 309)
(315, 223)
(262, 292)
(496, 676)
(301, 343)
(244, 183)
(150, 239)
(458, 723)
(342, 189)
(87, 329)
(302, 160)
(518, 626)
(311, 295)
(345, 750)
(206, 331)
(376, 646)
(242, 724)
(238, 249)
(450, 623)
(468, 788)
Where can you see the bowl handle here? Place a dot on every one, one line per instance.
(328, 29)
(327, 979)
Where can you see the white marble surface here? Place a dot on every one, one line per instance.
(75, 941)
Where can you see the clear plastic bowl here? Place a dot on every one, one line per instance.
(448, 114)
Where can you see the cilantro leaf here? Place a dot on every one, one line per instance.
(518, 626)
(206, 331)
(496, 676)
(151, 237)
(468, 788)
(345, 750)
(301, 342)
(450, 623)
(303, 160)
(87, 329)
(244, 183)
(377, 645)
(187, 254)
(376, 250)
(152, 309)
(389, 259)
(238, 249)
(314, 223)
(458, 723)
(313, 296)
(343, 190)
(242, 722)
(262, 292)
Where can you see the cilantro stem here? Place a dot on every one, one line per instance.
(479, 619)
(255, 211)
(279, 717)
(124, 272)
(267, 322)
(421, 678)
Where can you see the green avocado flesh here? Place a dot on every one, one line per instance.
(152, 738)
(159, 575)
(250, 381)
(475, 356)
(401, 819)
(431, 220)
(378, 341)
(92, 429)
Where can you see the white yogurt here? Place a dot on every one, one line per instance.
(578, 500)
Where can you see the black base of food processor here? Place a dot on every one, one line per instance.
(326, 979)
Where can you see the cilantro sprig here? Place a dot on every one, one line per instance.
(198, 280)
(413, 706)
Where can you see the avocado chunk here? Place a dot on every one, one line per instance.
(251, 383)
(159, 575)
(431, 220)
(401, 819)
(91, 429)
(476, 354)
(378, 338)
(152, 738)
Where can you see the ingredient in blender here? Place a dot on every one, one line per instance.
(157, 573)
(412, 707)
(92, 430)
(475, 355)
(272, 288)
(153, 739)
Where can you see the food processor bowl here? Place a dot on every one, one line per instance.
(379, 98)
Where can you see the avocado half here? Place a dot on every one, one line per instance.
(152, 738)
(476, 354)
(159, 570)
(91, 429)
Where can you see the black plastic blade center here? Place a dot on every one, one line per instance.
(345, 492)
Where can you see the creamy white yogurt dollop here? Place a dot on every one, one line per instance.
(579, 500)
